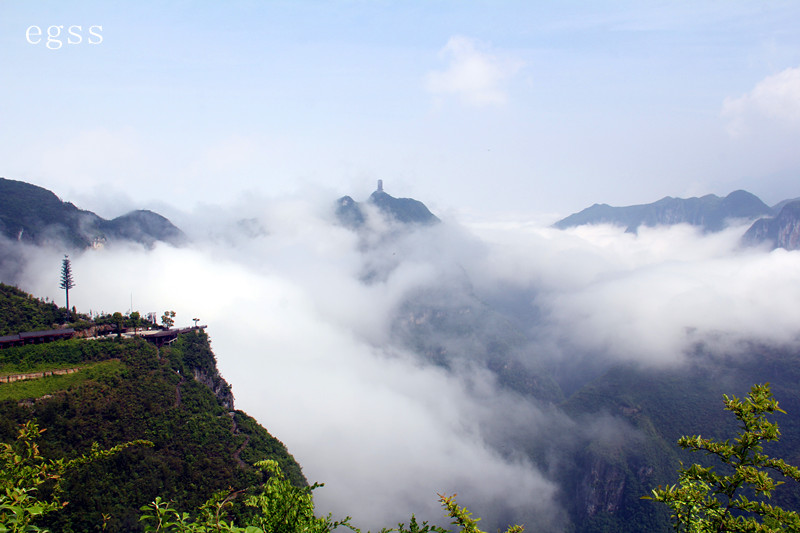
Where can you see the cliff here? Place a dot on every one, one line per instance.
(781, 231)
(119, 390)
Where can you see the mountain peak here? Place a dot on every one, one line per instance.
(403, 210)
(781, 231)
(33, 214)
(709, 212)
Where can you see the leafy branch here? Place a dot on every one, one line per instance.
(706, 501)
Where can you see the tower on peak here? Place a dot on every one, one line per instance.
(380, 185)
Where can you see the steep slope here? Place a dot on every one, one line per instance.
(405, 210)
(709, 212)
(448, 326)
(125, 390)
(781, 231)
(647, 411)
(32, 214)
(19, 311)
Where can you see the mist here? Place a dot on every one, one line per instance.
(316, 328)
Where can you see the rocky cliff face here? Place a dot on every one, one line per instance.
(601, 488)
(217, 384)
(781, 231)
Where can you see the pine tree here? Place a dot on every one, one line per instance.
(66, 280)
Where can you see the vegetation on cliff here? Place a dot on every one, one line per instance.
(127, 390)
(734, 498)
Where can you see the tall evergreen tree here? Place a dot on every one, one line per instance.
(66, 280)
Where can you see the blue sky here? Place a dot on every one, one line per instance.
(471, 107)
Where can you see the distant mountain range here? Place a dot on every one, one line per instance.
(405, 210)
(35, 215)
(778, 225)
(614, 425)
(782, 230)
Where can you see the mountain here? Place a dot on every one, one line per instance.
(781, 231)
(145, 227)
(709, 212)
(118, 390)
(777, 207)
(404, 210)
(652, 408)
(35, 215)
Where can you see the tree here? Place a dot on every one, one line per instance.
(280, 508)
(118, 321)
(135, 320)
(462, 517)
(705, 501)
(30, 485)
(168, 319)
(66, 280)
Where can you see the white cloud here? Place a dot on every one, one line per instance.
(310, 351)
(775, 99)
(477, 78)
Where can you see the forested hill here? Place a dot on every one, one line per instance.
(127, 389)
(19, 311)
(35, 215)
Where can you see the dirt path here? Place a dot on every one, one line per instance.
(10, 378)
(237, 453)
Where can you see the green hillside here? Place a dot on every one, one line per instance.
(19, 311)
(32, 214)
(126, 390)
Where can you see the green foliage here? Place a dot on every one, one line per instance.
(190, 352)
(281, 508)
(168, 319)
(30, 485)
(285, 508)
(463, 517)
(19, 311)
(66, 280)
(415, 527)
(106, 371)
(704, 500)
(200, 445)
(66, 353)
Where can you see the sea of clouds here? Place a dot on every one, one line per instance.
(302, 313)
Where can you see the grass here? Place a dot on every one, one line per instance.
(9, 369)
(36, 388)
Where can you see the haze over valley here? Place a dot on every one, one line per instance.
(507, 250)
(401, 359)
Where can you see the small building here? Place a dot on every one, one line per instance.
(36, 337)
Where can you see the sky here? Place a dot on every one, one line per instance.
(476, 108)
(501, 117)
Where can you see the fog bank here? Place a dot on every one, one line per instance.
(303, 315)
